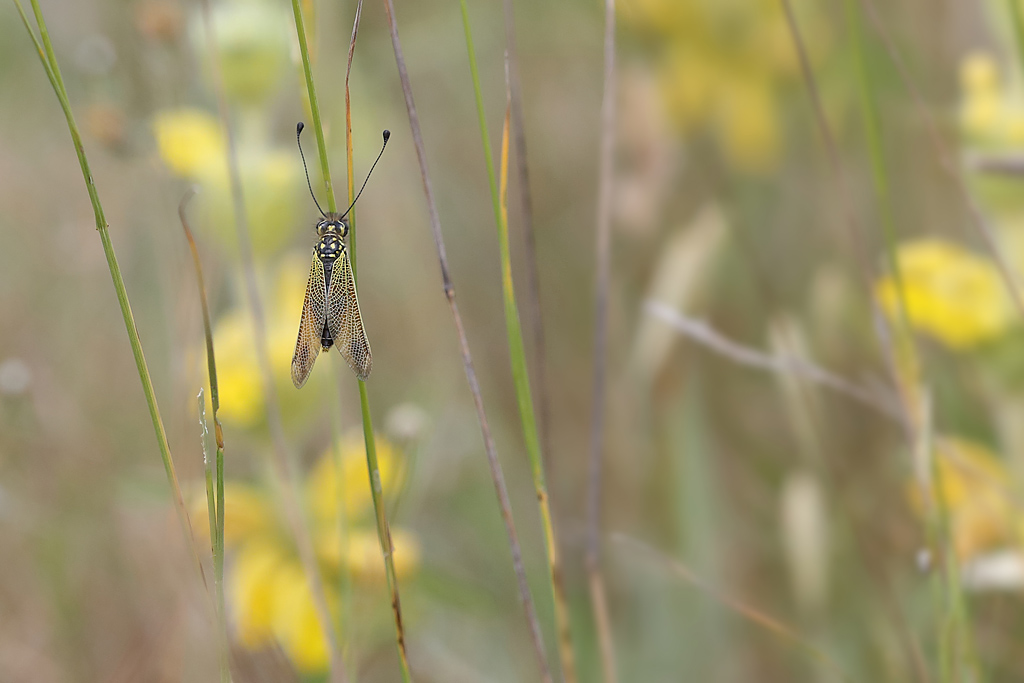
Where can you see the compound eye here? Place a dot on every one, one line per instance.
(344, 229)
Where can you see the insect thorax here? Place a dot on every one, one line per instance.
(331, 232)
(329, 248)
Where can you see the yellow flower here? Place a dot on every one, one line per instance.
(251, 587)
(951, 294)
(992, 119)
(272, 181)
(253, 43)
(192, 145)
(363, 555)
(720, 66)
(270, 596)
(325, 490)
(975, 489)
(296, 624)
(991, 113)
(242, 399)
(247, 514)
(748, 127)
(189, 140)
(982, 105)
(979, 73)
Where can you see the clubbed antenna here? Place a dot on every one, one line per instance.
(298, 139)
(387, 136)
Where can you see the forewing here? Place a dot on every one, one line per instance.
(314, 311)
(344, 320)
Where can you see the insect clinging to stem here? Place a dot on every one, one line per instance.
(330, 312)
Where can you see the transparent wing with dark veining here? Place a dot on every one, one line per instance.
(344, 320)
(314, 311)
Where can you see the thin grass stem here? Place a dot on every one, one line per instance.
(281, 466)
(957, 653)
(345, 575)
(44, 49)
(873, 133)
(602, 284)
(497, 475)
(703, 334)
(345, 571)
(946, 160)
(216, 539)
(901, 356)
(520, 374)
(373, 469)
(533, 304)
(211, 488)
(314, 106)
(214, 495)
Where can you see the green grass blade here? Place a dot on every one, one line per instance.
(314, 106)
(521, 377)
(50, 65)
(383, 531)
(214, 492)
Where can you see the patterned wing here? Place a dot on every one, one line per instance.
(314, 311)
(344, 321)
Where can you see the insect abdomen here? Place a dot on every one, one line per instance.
(326, 340)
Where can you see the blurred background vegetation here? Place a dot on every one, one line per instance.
(785, 497)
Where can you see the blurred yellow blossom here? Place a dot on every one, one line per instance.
(748, 128)
(251, 589)
(296, 625)
(192, 145)
(721, 66)
(976, 490)
(326, 491)
(363, 554)
(253, 42)
(992, 124)
(242, 399)
(189, 140)
(270, 597)
(991, 114)
(271, 182)
(951, 294)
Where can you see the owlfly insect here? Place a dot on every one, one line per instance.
(330, 313)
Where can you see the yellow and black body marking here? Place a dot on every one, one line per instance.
(330, 312)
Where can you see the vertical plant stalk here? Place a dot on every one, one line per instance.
(314, 106)
(905, 377)
(348, 131)
(946, 160)
(345, 575)
(907, 361)
(280, 464)
(873, 133)
(379, 503)
(52, 69)
(373, 469)
(533, 306)
(520, 374)
(905, 356)
(956, 651)
(1017, 19)
(344, 615)
(497, 474)
(855, 233)
(214, 497)
(894, 355)
(598, 592)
